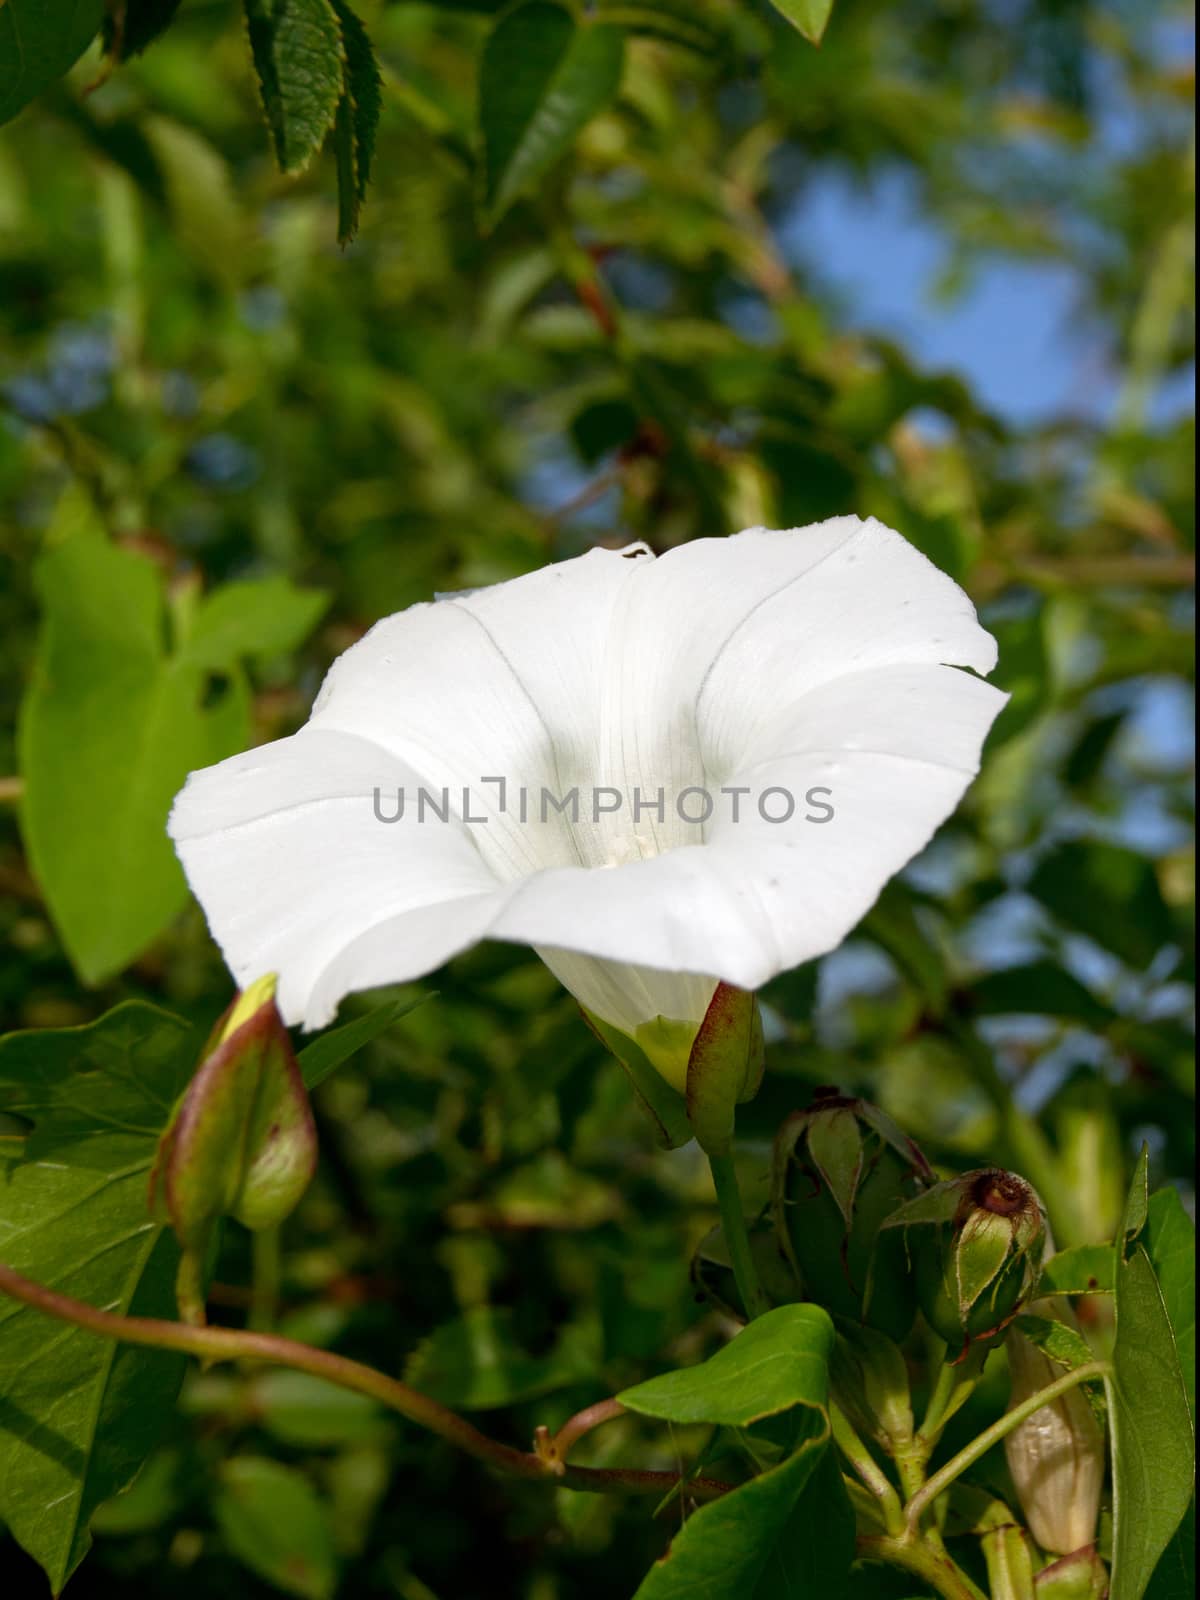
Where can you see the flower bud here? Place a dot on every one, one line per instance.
(1079, 1576)
(241, 1142)
(841, 1168)
(1009, 1562)
(976, 1242)
(1055, 1457)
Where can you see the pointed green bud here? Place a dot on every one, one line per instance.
(1056, 1456)
(840, 1169)
(868, 1377)
(1009, 1562)
(976, 1244)
(690, 1077)
(241, 1142)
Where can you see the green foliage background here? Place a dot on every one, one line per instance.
(228, 445)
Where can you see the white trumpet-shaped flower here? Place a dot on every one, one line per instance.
(757, 731)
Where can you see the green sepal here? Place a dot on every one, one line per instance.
(665, 1106)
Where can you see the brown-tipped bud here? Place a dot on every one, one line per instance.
(841, 1168)
(976, 1243)
(241, 1143)
(1056, 1456)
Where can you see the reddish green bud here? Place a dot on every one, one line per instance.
(241, 1143)
(841, 1168)
(976, 1244)
(1080, 1576)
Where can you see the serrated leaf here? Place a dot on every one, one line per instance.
(1152, 1442)
(298, 55)
(476, 1363)
(131, 25)
(357, 121)
(543, 77)
(274, 1522)
(809, 17)
(39, 41)
(80, 1414)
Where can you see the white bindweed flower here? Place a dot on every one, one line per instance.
(759, 731)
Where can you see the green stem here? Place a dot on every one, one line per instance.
(232, 1344)
(868, 1469)
(737, 1238)
(265, 1278)
(935, 1567)
(970, 1454)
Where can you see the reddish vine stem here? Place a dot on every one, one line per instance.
(234, 1344)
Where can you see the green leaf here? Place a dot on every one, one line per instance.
(39, 41)
(198, 191)
(1087, 1269)
(1171, 1243)
(754, 1540)
(111, 725)
(80, 1414)
(357, 121)
(1109, 893)
(1040, 988)
(741, 1543)
(1067, 1348)
(810, 17)
(476, 1363)
(326, 1053)
(257, 617)
(1175, 1575)
(779, 1361)
(893, 923)
(543, 77)
(131, 25)
(309, 1412)
(1152, 1442)
(298, 55)
(276, 1525)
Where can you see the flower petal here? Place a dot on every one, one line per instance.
(896, 747)
(496, 683)
(297, 875)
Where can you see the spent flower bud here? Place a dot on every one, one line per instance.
(841, 1168)
(1056, 1456)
